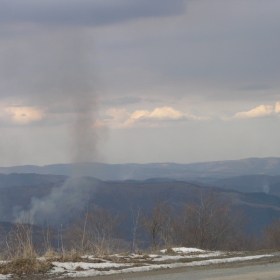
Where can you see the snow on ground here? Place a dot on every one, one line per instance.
(184, 250)
(69, 270)
(206, 255)
(85, 266)
(116, 264)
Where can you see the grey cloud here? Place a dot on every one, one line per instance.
(123, 101)
(222, 58)
(55, 69)
(215, 46)
(128, 100)
(49, 68)
(86, 12)
(254, 87)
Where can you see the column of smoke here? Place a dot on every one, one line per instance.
(75, 82)
(265, 186)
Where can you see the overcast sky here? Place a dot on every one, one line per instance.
(141, 81)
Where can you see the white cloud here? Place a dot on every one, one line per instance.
(260, 111)
(140, 114)
(121, 118)
(21, 115)
(119, 115)
(277, 107)
(167, 113)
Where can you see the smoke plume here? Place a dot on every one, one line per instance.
(266, 188)
(60, 205)
(66, 86)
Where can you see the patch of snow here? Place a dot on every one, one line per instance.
(184, 250)
(153, 256)
(69, 268)
(5, 277)
(92, 258)
(83, 265)
(179, 257)
(117, 264)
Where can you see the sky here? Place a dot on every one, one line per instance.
(122, 81)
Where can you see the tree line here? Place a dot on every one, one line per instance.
(208, 222)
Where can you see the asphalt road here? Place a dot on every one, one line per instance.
(268, 271)
(263, 271)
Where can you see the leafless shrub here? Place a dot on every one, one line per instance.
(96, 234)
(69, 256)
(47, 248)
(243, 242)
(207, 223)
(2, 242)
(135, 214)
(272, 235)
(25, 266)
(19, 242)
(20, 252)
(157, 223)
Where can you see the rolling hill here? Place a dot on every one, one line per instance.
(204, 171)
(59, 203)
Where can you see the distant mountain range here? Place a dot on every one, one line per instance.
(58, 202)
(60, 191)
(203, 172)
(249, 183)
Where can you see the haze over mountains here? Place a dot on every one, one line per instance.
(50, 193)
(133, 171)
(58, 202)
(246, 175)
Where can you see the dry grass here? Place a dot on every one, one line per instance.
(20, 253)
(51, 254)
(25, 266)
(19, 243)
(70, 256)
(170, 251)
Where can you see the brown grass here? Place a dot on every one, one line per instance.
(20, 253)
(25, 266)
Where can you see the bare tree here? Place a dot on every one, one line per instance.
(96, 233)
(156, 221)
(135, 214)
(272, 235)
(19, 242)
(242, 241)
(207, 222)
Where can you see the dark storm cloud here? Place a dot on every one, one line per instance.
(86, 12)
